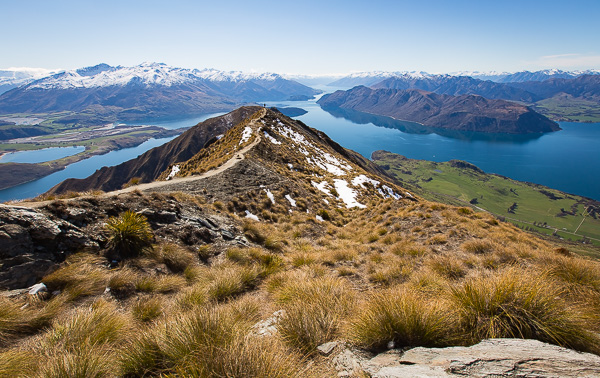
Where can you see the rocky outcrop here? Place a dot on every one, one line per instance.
(33, 242)
(464, 113)
(489, 358)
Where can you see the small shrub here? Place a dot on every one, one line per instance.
(324, 214)
(464, 211)
(129, 234)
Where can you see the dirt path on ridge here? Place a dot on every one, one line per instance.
(237, 157)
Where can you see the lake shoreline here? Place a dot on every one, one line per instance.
(34, 171)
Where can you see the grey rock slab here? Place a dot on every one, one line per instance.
(326, 348)
(489, 358)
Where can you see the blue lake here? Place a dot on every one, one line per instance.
(175, 122)
(80, 169)
(40, 156)
(568, 160)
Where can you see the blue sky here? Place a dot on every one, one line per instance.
(311, 37)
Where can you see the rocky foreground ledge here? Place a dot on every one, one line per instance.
(489, 358)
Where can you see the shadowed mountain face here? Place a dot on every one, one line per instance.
(148, 166)
(466, 113)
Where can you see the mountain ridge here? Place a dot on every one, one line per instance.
(147, 90)
(466, 112)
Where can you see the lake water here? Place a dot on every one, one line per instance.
(175, 122)
(40, 156)
(568, 160)
(80, 169)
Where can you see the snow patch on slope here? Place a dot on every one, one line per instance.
(347, 194)
(322, 186)
(292, 201)
(269, 137)
(251, 216)
(271, 196)
(246, 134)
(174, 171)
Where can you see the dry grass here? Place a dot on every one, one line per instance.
(403, 317)
(365, 277)
(82, 275)
(521, 304)
(314, 309)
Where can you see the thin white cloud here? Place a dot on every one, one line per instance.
(567, 61)
(34, 72)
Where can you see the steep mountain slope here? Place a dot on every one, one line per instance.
(536, 207)
(148, 166)
(467, 113)
(285, 157)
(147, 90)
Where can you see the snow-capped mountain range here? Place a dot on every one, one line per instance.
(148, 89)
(370, 78)
(148, 74)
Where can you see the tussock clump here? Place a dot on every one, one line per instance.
(147, 309)
(82, 275)
(175, 257)
(212, 341)
(160, 284)
(122, 282)
(17, 363)
(228, 280)
(101, 323)
(521, 304)
(129, 234)
(448, 267)
(576, 271)
(477, 246)
(403, 317)
(314, 309)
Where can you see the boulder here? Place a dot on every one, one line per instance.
(489, 358)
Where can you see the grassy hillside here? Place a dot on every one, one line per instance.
(537, 207)
(568, 108)
(246, 273)
(417, 274)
